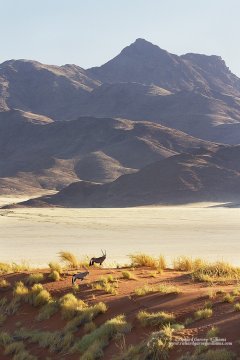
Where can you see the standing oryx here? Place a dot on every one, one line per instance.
(81, 276)
(98, 260)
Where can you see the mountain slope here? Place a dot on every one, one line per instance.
(94, 149)
(146, 63)
(179, 179)
(43, 89)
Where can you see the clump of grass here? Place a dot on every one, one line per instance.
(185, 263)
(55, 266)
(216, 272)
(4, 284)
(203, 314)
(86, 315)
(128, 275)
(143, 260)
(237, 307)
(213, 332)
(188, 321)
(107, 284)
(162, 289)
(162, 264)
(155, 319)
(69, 259)
(48, 310)
(153, 274)
(218, 354)
(5, 268)
(35, 278)
(20, 291)
(14, 348)
(54, 275)
(159, 344)
(9, 268)
(228, 298)
(100, 337)
(2, 318)
(212, 294)
(55, 341)
(70, 306)
(89, 327)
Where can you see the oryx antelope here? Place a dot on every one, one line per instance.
(80, 276)
(98, 260)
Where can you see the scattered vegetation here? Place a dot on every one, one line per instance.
(107, 284)
(218, 354)
(14, 348)
(138, 260)
(4, 284)
(213, 332)
(35, 278)
(48, 310)
(203, 314)
(216, 272)
(228, 298)
(70, 306)
(237, 307)
(54, 266)
(185, 263)
(54, 275)
(69, 259)
(162, 288)
(155, 319)
(91, 345)
(12, 268)
(128, 275)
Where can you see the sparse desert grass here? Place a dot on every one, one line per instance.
(86, 315)
(162, 264)
(4, 284)
(203, 314)
(185, 263)
(212, 294)
(155, 319)
(143, 260)
(100, 337)
(38, 296)
(55, 341)
(13, 306)
(20, 291)
(236, 291)
(128, 275)
(153, 274)
(48, 310)
(14, 348)
(69, 259)
(228, 298)
(216, 272)
(13, 267)
(156, 347)
(54, 275)
(218, 354)
(162, 289)
(89, 327)
(213, 332)
(55, 266)
(35, 278)
(2, 318)
(237, 307)
(107, 284)
(70, 306)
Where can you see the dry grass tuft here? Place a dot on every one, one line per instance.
(69, 259)
(35, 278)
(128, 275)
(155, 319)
(162, 289)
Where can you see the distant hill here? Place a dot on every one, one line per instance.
(145, 107)
(43, 89)
(179, 179)
(51, 155)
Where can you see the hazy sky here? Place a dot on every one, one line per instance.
(91, 32)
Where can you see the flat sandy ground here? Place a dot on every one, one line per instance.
(201, 230)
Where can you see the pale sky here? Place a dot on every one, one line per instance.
(91, 32)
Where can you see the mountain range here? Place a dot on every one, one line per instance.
(146, 127)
